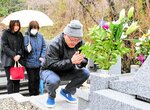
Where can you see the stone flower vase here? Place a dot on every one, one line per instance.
(104, 71)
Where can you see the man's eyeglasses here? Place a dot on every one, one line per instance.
(74, 39)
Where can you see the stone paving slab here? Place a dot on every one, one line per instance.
(17, 96)
(61, 104)
(40, 101)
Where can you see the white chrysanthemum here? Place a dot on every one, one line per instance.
(138, 44)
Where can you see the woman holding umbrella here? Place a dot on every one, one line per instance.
(12, 51)
(36, 49)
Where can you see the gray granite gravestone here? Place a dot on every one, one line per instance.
(138, 85)
(120, 94)
(143, 80)
(98, 81)
(117, 92)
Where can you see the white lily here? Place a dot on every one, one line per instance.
(132, 28)
(122, 15)
(130, 12)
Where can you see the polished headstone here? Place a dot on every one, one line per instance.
(139, 84)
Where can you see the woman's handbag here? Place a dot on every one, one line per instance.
(17, 72)
(29, 47)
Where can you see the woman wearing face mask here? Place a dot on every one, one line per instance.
(35, 56)
(12, 51)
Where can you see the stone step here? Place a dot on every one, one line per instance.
(83, 94)
(23, 84)
(113, 100)
(23, 90)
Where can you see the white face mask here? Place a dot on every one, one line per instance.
(34, 31)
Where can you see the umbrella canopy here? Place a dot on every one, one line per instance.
(25, 16)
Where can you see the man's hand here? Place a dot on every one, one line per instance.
(17, 57)
(77, 58)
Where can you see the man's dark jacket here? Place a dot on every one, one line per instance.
(58, 56)
(12, 45)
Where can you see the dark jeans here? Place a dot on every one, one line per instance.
(52, 80)
(12, 85)
(34, 80)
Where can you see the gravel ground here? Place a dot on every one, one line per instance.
(11, 104)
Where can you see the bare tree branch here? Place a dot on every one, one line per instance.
(88, 12)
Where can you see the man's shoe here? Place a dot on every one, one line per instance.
(50, 102)
(68, 97)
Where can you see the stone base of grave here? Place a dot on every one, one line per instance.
(112, 100)
(143, 92)
(101, 81)
(118, 92)
(124, 84)
(129, 86)
(142, 98)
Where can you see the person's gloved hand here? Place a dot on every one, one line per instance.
(83, 63)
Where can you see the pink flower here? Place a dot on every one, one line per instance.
(105, 26)
(141, 58)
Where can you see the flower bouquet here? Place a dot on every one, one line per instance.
(107, 40)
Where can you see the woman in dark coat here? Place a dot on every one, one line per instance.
(12, 51)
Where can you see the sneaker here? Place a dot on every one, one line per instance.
(68, 97)
(50, 102)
